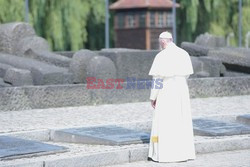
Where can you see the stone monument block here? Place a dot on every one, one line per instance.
(194, 49)
(214, 67)
(101, 67)
(105, 135)
(48, 57)
(4, 84)
(130, 62)
(32, 42)
(12, 148)
(78, 65)
(18, 77)
(209, 40)
(4, 68)
(12, 33)
(207, 67)
(42, 73)
(197, 66)
(233, 58)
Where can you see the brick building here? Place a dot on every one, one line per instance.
(138, 23)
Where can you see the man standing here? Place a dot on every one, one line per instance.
(172, 129)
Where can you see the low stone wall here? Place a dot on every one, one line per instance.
(34, 97)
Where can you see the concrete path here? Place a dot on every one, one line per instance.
(41, 119)
(239, 158)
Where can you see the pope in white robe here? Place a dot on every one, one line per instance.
(172, 138)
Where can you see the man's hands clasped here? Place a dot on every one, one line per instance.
(153, 103)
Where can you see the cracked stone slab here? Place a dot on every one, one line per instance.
(105, 135)
(207, 127)
(245, 119)
(12, 148)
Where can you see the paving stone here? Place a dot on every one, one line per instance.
(107, 135)
(11, 148)
(244, 119)
(207, 127)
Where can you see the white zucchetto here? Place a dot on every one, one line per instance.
(166, 35)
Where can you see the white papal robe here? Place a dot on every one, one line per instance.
(172, 130)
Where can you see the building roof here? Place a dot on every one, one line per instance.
(132, 4)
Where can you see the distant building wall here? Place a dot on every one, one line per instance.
(130, 38)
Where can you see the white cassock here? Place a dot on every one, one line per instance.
(172, 136)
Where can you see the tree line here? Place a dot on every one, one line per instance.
(77, 24)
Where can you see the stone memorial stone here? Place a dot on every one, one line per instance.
(78, 65)
(209, 40)
(4, 68)
(32, 42)
(207, 127)
(195, 49)
(207, 67)
(245, 119)
(214, 67)
(12, 147)
(12, 33)
(105, 135)
(131, 63)
(18, 77)
(233, 58)
(101, 67)
(48, 57)
(201, 74)
(42, 73)
(4, 84)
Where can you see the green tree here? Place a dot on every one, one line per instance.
(11, 10)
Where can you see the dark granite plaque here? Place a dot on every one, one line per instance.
(107, 135)
(206, 127)
(12, 147)
(245, 119)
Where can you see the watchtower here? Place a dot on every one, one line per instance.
(138, 23)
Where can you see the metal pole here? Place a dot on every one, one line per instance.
(240, 23)
(107, 25)
(174, 20)
(247, 39)
(27, 11)
(230, 35)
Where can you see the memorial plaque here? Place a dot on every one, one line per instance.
(12, 147)
(245, 119)
(206, 127)
(106, 135)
